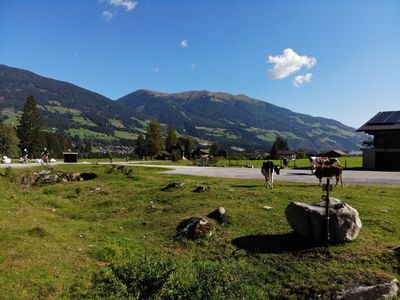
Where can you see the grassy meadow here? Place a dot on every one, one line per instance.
(113, 237)
(351, 162)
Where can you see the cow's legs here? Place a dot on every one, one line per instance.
(272, 179)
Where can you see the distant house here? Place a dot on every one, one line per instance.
(385, 154)
(334, 153)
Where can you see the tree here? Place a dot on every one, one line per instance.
(8, 141)
(29, 128)
(214, 149)
(57, 143)
(171, 139)
(140, 149)
(280, 144)
(154, 139)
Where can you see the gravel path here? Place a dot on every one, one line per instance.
(353, 177)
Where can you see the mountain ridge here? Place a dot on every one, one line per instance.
(231, 120)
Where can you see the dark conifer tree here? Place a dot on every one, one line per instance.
(140, 149)
(171, 139)
(280, 144)
(8, 141)
(29, 128)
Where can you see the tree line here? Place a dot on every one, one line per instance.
(31, 135)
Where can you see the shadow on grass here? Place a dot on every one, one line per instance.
(274, 243)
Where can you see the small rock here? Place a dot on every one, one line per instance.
(396, 249)
(384, 210)
(194, 228)
(172, 185)
(220, 216)
(267, 207)
(373, 292)
(102, 264)
(217, 214)
(96, 189)
(201, 189)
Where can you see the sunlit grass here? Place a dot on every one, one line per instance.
(52, 237)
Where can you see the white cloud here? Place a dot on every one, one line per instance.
(127, 4)
(288, 63)
(184, 44)
(107, 15)
(300, 79)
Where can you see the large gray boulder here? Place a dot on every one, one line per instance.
(308, 220)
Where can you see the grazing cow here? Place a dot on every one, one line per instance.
(329, 172)
(321, 161)
(268, 168)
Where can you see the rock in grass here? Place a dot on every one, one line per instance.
(217, 214)
(194, 228)
(201, 189)
(396, 249)
(309, 220)
(220, 216)
(172, 185)
(379, 291)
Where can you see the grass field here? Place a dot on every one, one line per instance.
(354, 162)
(112, 237)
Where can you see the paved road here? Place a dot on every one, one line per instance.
(353, 177)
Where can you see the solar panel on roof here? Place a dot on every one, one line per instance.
(394, 118)
(381, 117)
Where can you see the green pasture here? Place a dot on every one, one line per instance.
(113, 238)
(352, 162)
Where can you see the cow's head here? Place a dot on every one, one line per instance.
(277, 169)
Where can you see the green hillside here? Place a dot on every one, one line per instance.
(230, 120)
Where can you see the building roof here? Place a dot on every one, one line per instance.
(334, 153)
(383, 120)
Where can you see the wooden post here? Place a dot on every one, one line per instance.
(327, 237)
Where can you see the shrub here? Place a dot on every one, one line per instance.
(155, 278)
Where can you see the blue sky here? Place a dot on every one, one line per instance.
(345, 55)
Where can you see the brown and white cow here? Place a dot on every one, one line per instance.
(329, 172)
(316, 161)
(268, 168)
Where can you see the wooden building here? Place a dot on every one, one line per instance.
(385, 154)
